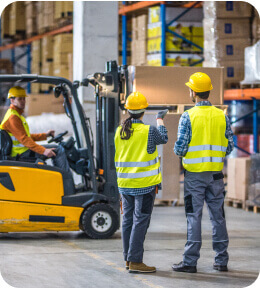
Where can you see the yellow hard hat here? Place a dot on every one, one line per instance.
(136, 101)
(199, 82)
(16, 91)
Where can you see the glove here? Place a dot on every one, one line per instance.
(161, 114)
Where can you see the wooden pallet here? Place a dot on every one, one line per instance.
(251, 206)
(235, 203)
(159, 202)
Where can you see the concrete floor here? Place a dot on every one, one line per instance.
(71, 260)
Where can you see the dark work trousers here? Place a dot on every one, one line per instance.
(137, 212)
(208, 186)
(59, 161)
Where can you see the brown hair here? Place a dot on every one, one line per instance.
(126, 132)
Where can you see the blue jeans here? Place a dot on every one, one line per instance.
(137, 212)
(59, 161)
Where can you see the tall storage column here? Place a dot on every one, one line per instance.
(95, 41)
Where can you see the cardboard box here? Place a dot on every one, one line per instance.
(194, 15)
(5, 22)
(166, 85)
(43, 103)
(238, 171)
(17, 18)
(226, 28)
(176, 60)
(170, 163)
(47, 48)
(227, 9)
(226, 49)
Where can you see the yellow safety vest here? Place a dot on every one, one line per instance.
(208, 145)
(18, 148)
(136, 168)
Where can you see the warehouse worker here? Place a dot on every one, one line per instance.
(138, 176)
(204, 139)
(24, 144)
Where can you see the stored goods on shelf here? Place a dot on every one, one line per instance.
(36, 51)
(5, 22)
(252, 64)
(226, 28)
(17, 19)
(176, 59)
(195, 15)
(63, 9)
(227, 9)
(37, 104)
(226, 49)
(31, 14)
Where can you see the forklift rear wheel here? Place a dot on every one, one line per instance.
(99, 221)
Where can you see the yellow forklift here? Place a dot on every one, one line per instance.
(35, 196)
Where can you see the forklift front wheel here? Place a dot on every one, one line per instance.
(99, 221)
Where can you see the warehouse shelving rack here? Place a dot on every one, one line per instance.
(252, 94)
(127, 9)
(26, 44)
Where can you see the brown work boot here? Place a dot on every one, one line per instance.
(140, 268)
(127, 265)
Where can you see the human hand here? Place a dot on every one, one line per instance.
(161, 114)
(49, 153)
(50, 133)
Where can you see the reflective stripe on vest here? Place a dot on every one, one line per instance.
(140, 174)
(137, 164)
(208, 145)
(18, 148)
(135, 167)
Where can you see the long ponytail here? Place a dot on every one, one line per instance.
(126, 132)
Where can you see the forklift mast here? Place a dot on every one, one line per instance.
(111, 88)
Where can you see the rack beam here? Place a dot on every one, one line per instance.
(241, 94)
(137, 6)
(67, 28)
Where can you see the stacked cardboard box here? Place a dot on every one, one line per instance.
(17, 19)
(63, 9)
(6, 66)
(36, 63)
(174, 59)
(188, 26)
(227, 34)
(37, 104)
(63, 46)
(31, 13)
(256, 27)
(5, 22)
(46, 16)
(47, 59)
(139, 36)
(238, 178)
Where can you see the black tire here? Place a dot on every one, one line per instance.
(99, 221)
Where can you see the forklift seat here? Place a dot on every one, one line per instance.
(6, 145)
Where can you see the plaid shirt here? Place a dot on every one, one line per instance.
(184, 133)
(155, 137)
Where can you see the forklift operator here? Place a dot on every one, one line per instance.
(24, 145)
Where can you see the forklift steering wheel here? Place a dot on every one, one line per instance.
(58, 138)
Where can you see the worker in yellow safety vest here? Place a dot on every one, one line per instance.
(138, 176)
(204, 139)
(24, 145)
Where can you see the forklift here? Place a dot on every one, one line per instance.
(35, 196)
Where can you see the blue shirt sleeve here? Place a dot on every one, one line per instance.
(229, 136)
(183, 136)
(156, 137)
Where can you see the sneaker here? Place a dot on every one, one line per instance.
(181, 267)
(127, 265)
(140, 268)
(220, 267)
